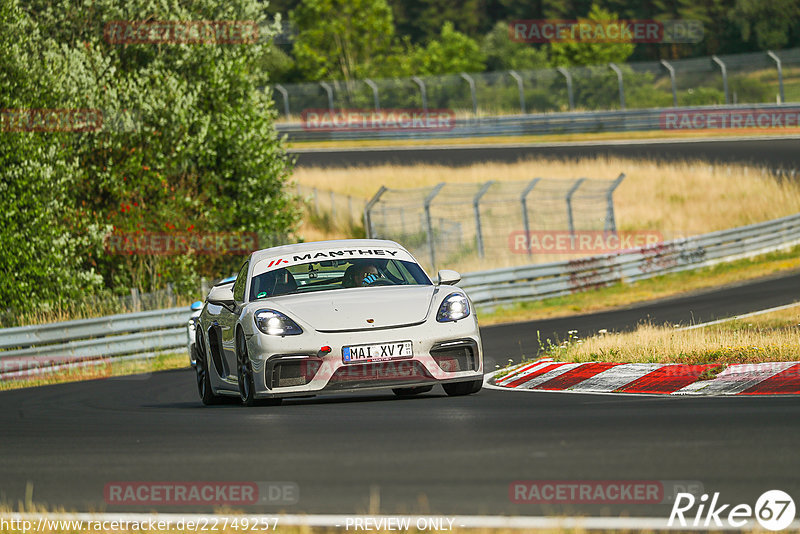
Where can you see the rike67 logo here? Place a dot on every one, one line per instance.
(774, 510)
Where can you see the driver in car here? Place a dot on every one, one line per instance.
(360, 275)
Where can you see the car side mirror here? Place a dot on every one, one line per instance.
(221, 295)
(196, 305)
(448, 277)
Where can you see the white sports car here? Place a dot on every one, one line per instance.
(335, 316)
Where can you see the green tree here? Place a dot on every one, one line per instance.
(452, 52)
(342, 39)
(565, 54)
(197, 150)
(768, 24)
(502, 53)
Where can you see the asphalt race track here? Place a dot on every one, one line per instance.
(430, 454)
(780, 153)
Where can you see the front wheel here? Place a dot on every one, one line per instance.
(244, 373)
(456, 389)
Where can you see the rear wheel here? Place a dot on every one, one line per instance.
(456, 389)
(201, 369)
(410, 392)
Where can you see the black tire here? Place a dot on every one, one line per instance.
(201, 368)
(456, 389)
(410, 392)
(244, 372)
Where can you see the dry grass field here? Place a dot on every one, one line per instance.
(676, 198)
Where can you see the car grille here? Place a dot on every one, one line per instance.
(395, 372)
(456, 357)
(290, 372)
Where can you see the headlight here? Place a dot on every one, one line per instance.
(454, 307)
(275, 323)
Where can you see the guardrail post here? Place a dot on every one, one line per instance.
(618, 71)
(471, 83)
(611, 222)
(282, 90)
(570, 219)
(368, 208)
(667, 65)
(568, 77)
(524, 201)
(476, 206)
(517, 77)
(429, 224)
(778, 63)
(374, 88)
(329, 90)
(422, 91)
(724, 71)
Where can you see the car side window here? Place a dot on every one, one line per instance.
(241, 281)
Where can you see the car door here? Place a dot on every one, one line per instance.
(228, 318)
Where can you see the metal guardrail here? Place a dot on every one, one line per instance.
(49, 345)
(533, 124)
(159, 330)
(536, 282)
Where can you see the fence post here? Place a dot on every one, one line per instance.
(282, 90)
(374, 93)
(471, 83)
(611, 222)
(333, 206)
(422, 91)
(618, 71)
(476, 206)
(667, 65)
(524, 201)
(136, 302)
(316, 199)
(429, 224)
(778, 63)
(350, 208)
(724, 70)
(329, 90)
(571, 221)
(568, 77)
(368, 208)
(517, 77)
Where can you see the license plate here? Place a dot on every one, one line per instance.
(377, 352)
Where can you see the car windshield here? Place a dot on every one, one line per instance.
(344, 274)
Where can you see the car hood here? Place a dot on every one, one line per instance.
(351, 309)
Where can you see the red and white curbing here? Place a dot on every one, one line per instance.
(771, 378)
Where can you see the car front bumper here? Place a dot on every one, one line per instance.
(293, 366)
